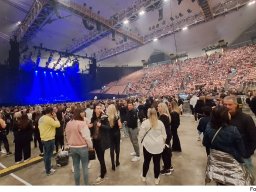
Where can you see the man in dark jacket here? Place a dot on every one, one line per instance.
(253, 103)
(132, 125)
(246, 127)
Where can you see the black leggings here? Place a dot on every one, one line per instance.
(4, 139)
(147, 159)
(100, 155)
(22, 148)
(114, 147)
(166, 156)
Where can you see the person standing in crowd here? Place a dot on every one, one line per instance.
(192, 103)
(246, 127)
(180, 104)
(201, 127)
(175, 123)
(101, 140)
(35, 117)
(22, 130)
(79, 140)
(89, 110)
(165, 117)
(132, 125)
(222, 136)
(115, 126)
(59, 135)
(198, 107)
(3, 133)
(253, 103)
(123, 111)
(153, 137)
(47, 126)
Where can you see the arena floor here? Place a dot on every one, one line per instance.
(189, 165)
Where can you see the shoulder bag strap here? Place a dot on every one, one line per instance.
(216, 134)
(145, 135)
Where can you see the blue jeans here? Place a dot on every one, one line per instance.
(80, 154)
(48, 152)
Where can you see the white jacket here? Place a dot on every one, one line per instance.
(154, 141)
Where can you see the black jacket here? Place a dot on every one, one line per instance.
(247, 129)
(167, 124)
(132, 119)
(203, 123)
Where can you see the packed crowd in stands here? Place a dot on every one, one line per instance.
(232, 69)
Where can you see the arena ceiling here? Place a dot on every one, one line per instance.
(63, 28)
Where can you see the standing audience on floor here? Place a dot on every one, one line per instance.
(99, 127)
(47, 126)
(133, 130)
(22, 131)
(79, 141)
(115, 136)
(153, 137)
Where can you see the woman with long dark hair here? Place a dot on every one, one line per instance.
(101, 140)
(23, 130)
(79, 140)
(228, 139)
(221, 137)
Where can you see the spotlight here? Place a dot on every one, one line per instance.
(126, 21)
(155, 39)
(142, 12)
(184, 28)
(251, 2)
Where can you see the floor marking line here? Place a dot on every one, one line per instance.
(16, 177)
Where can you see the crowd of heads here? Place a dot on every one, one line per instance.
(231, 69)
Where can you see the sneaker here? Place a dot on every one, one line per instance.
(135, 158)
(157, 181)
(52, 171)
(143, 178)
(99, 180)
(166, 172)
(41, 154)
(171, 169)
(132, 153)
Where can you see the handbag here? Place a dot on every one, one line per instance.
(224, 169)
(91, 154)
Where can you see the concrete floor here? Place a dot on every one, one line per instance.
(189, 165)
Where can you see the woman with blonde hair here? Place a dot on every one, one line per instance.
(115, 125)
(175, 123)
(165, 117)
(152, 136)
